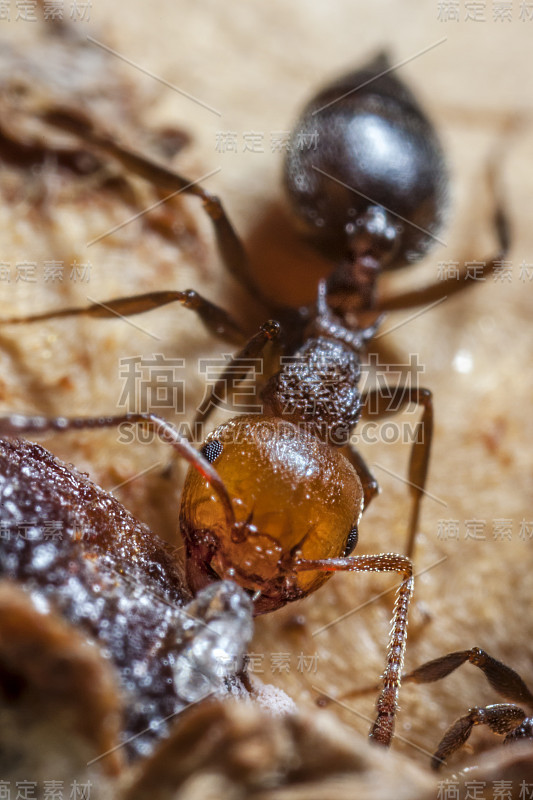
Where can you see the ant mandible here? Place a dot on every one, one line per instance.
(279, 509)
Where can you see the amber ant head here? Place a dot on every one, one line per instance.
(292, 496)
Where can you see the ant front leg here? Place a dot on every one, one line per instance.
(216, 320)
(237, 369)
(500, 718)
(18, 424)
(378, 404)
(387, 704)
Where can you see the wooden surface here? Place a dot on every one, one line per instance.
(257, 63)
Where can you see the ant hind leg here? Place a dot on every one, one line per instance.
(216, 320)
(230, 246)
(441, 289)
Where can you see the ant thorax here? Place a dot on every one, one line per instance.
(317, 389)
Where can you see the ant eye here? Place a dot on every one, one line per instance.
(351, 541)
(212, 450)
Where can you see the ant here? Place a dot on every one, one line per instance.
(274, 501)
(503, 718)
(376, 149)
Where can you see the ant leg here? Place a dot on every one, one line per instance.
(501, 718)
(502, 678)
(229, 244)
(216, 320)
(17, 424)
(439, 290)
(368, 481)
(379, 404)
(387, 703)
(237, 369)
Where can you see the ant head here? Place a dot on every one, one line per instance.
(292, 497)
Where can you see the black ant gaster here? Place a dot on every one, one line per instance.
(274, 501)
